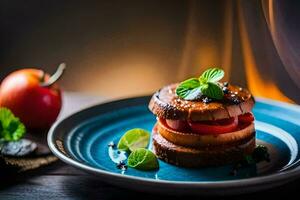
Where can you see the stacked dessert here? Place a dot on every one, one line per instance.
(200, 129)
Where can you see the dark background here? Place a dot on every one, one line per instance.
(127, 48)
(104, 43)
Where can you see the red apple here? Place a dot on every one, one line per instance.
(33, 96)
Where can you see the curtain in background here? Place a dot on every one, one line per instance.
(259, 47)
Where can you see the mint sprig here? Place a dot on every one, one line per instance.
(11, 128)
(207, 84)
(135, 142)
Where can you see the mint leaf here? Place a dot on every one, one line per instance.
(189, 89)
(206, 84)
(11, 128)
(212, 90)
(193, 94)
(143, 159)
(134, 139)
(212, 75)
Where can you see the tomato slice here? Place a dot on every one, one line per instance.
(246, 118)
(215, 127)
(178, 125)
(211, 127)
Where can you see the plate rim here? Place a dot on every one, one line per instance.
(291, 174)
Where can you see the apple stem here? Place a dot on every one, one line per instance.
(56, 76)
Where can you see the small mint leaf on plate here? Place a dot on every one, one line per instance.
(143, 159)
(134, 139)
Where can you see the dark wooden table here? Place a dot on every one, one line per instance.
(60, 181)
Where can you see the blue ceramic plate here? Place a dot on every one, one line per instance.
(82, 140)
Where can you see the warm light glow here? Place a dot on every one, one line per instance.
(271, 17)
(207, 56)
(200, 50)
(228, 34)
(189, 42)
(136, 75)
(256, 84)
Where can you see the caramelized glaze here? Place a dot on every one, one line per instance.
(236, 95)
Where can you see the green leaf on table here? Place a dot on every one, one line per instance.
(11, 128)
(134, 139)
(143, 159)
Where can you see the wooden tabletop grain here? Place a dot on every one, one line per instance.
(61, 181)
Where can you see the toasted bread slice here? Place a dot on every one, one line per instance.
(167, 105)
(195, 140)
(190, 157)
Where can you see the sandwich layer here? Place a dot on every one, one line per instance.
(167, 105)
(194, 140)
(191, 157)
